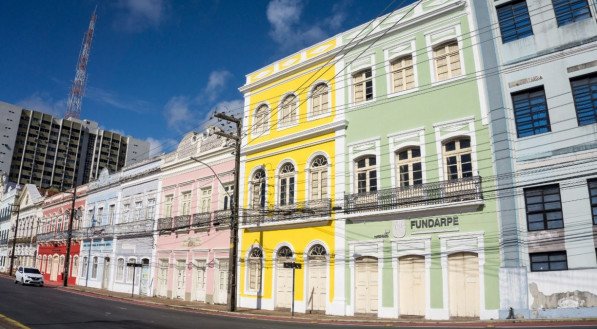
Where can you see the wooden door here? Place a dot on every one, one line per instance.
(463, 278)
(106, 273)
(283, 284)
(411, 278)
(366, 296)
(317, 284)
(180, 279)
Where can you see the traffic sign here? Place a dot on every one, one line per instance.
(294, 265)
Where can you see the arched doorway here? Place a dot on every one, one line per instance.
(106, 273)
(317, 278)
(411, 278)
(54, 268)
(463, 280)
(366, 285)
(283, 278)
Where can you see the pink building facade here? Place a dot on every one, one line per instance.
(193, 225)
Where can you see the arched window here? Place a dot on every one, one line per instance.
(319, 99)
(85, 266)
(258, 189)
(284, 252)
(409, 166)
(75, 266)
(319, 178)
(94, 268)
(130, 271)
(447, 60)
(261, 122)
(457, 158)
(120, 270)
(255, 265)
(366, 174)
(403, 77)
(286, 184)
(288, 110)
(317, 251)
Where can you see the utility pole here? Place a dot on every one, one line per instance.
(14, 239)
(69, 239)
(234, 209)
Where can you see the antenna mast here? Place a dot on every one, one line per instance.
(73, 106)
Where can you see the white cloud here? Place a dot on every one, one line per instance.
(158, 146)
(178, 114)
(216, 83)
(138, 15)
(288, 30)
(44, 103)
(117, 101)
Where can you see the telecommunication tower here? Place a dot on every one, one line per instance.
(73, 106)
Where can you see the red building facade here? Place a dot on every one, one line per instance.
(52, 242)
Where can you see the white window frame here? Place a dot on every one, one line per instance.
(94, 267)
(409, 162)
(138, 210)
(353, 84)
(265, 127)
(205, 200)
(311, 101)
(185, 202)
(253, 186)
(248, 269)
(289, 123)
(319, 170)
(280, 177)
(367, 170)
(445, 34)
(130, 270)
(447, 130)
(458, 152)
(120, 270)
(150, 211)
(168, 201)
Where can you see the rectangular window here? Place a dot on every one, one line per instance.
(186, 203)
(447, 61)
(403, 76)
(530, 112)
(584, 91)
(544, 208)
(593, 197)
(363, 86)
(126, 213)
(569, 11)
(150, 209)
(168, 205)
(94, 268)
(228, 196)
(549, 261)
(131, 271)
(85, 265)
(514, 20)
(120, 270)
(111, 213)
(205, 199)
(138, 210)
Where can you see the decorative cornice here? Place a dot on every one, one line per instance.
(321, 130)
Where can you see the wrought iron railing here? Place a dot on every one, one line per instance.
(135, 228)
(301, 210)
(201, 220)
(436, 193)
(182, 222)
(165, 223)
(222, 217)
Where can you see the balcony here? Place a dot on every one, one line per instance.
(201, 220)
(165, 224)
(301, 212)
(182, 223)
(136, 228)
(452, 192)
(222, 218)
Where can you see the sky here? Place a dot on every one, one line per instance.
(157, 68)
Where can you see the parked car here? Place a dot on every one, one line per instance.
(29, 275)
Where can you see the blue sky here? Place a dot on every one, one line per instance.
(158, 67)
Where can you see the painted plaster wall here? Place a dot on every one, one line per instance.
(299, 149)
(209, 244)
(429, 105)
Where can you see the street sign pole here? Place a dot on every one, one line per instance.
(294, 266)
(134, 266)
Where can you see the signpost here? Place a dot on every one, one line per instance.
(293, 266)
(134, 266)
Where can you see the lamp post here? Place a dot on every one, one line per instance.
(14, 208)
(69, 239)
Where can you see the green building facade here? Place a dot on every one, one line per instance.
(419, 214)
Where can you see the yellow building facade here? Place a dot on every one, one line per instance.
(288, 165)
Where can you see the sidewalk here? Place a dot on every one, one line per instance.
(285, 316)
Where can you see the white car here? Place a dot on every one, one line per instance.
(29, 275)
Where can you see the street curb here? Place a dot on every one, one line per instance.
(340, 321)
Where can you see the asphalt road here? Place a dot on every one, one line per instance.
(54, 308)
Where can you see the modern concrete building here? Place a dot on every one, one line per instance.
(544, 129)
(37, 148)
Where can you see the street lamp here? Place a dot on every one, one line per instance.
(14, 208)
